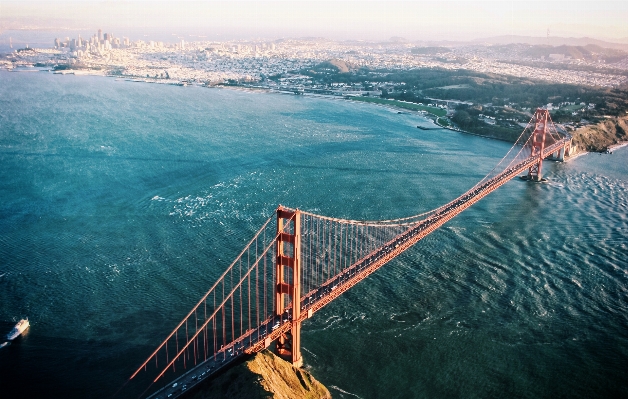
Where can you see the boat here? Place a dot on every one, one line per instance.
(19, 328)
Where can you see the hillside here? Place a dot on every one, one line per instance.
(335, 66)
(263, 376)
(589, 52)
(553, 41)
(600, 136)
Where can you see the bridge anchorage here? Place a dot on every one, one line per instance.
(298, 262)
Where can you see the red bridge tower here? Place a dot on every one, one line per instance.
(541, 121)
(288, 282)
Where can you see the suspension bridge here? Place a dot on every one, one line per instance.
(298, 262)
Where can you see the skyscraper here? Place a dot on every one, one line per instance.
(99, 35)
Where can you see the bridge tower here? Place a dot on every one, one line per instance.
(563, 152)
(541, 119)
(288, 282)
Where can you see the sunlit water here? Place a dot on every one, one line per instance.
(121, 202)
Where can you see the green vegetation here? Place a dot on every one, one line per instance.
(489, 104)
(331, 67)
(479, 88)
(519, 93)
(468, 120)
(401, 104)
(442, 121)
(572, 108)
(339, 65)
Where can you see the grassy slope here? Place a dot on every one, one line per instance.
(598, 137)
(591, 138)
(401, 104)
(497, 132)
(264, 376)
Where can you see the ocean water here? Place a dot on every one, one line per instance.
(121, 202)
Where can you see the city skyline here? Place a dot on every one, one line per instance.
(346, 20)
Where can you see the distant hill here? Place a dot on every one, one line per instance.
(398, 39)
(335, 65)
(590, 52)
(552, 41)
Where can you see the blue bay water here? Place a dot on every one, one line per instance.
(121, 202)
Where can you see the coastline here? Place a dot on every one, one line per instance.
(433, 118)
(212, 184)
(576, 155)
(425, 113)
(617, 146)
(343, 98)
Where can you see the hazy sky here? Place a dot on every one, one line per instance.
(414, 20)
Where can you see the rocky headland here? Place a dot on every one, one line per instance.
(266, 376)
(599, 137)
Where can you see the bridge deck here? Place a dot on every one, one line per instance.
(272, 328)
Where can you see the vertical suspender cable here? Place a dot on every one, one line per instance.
(248, 254)
(264, 278)
(336, 247)
(340, 250)
(257, 285)
(177, 341)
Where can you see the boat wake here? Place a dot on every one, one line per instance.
(19, 328)
(343, 391)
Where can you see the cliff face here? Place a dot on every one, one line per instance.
(264, 376)
(599, 137)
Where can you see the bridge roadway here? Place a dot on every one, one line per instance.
(272, 328)
(253, 341)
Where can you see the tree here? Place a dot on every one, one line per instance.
(463, 119)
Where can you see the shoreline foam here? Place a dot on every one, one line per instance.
(617, 146)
